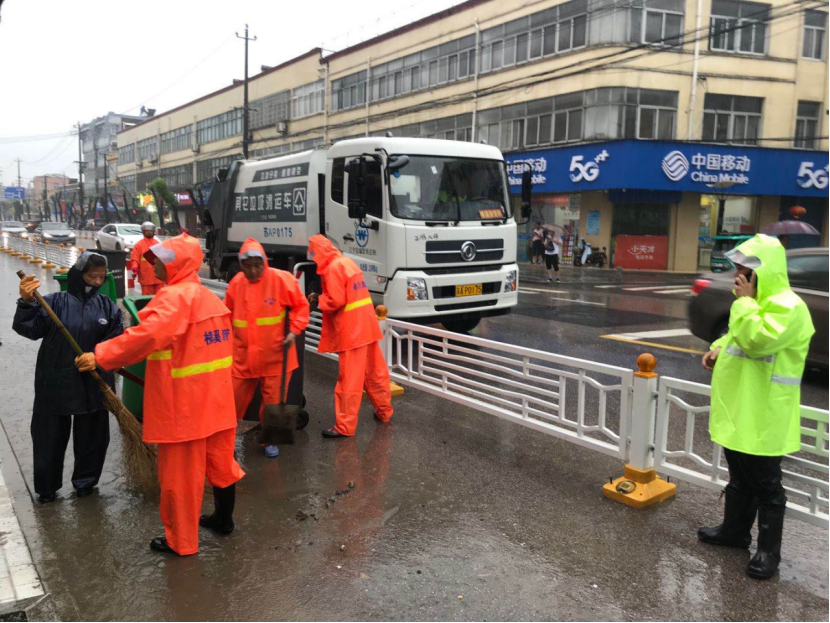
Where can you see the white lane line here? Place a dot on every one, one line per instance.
(662, 287)
(614, 286)
(673, 291)
(655, 334)
(559, 298)
(543, 290)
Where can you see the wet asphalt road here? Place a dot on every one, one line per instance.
(454, 515)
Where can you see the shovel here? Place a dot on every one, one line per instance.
(279, 421)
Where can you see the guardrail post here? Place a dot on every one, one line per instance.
(640, 486)
(386, 346)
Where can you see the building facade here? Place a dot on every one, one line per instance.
(46, 187)
(647, 123)
(98, 139)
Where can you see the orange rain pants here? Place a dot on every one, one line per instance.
(182, 469)
(362, 367)
(150, 289)
(269, 387)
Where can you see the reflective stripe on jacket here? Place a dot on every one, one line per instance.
(258, 318)
(185, 335)
(756, 393)
(349, 319)
(142, 268)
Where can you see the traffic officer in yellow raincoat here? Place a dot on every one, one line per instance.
(756, 397)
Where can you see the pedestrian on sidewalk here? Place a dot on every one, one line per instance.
(139, 265)
(185, 336)
(350, 329)
(552, 248)
(65, 400)
(258, 298)
(756, 397)
(537, 246)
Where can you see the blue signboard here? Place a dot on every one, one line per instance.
(673, 166)
(15, 192)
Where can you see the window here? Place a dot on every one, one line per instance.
(128, 183)
(147, 149)
(176, 140)
(374, 189)
(273, 150)
(219, 127)
(738, 26)
(808, 271)
(349, 92)
(338, 178)
(178, 177)
(268, 111)
(653, 21)
(806, 125)
(732, 119)
(206, 170)
(126, 154)
(815, 27)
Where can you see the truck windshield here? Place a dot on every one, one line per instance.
(433, 188)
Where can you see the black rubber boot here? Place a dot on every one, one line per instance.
(331, 433)
(765, 561)
(221, 521)
(738, 517)
(159, 544)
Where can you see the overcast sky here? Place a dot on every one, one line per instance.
(67, 61)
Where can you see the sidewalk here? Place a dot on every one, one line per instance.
(592, 274)
(454, 515)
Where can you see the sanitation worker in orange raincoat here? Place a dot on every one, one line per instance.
(185, 335)
(258, 298)
(139, 266)
(350, 329)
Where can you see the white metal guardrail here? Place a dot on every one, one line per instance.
(63, 257)
(682, 409)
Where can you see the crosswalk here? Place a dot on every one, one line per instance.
(664, 288)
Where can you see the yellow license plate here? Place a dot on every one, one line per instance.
(470, 290)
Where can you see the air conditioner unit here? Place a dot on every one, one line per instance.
(139, 164)
(282, 128)
(196, 148)
(153, 160)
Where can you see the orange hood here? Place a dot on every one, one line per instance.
(322, 251)
(182, 256)
(252, 248)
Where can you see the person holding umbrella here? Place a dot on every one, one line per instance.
(67, 401)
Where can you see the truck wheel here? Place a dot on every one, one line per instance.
(212, 272)
(461, 326)
(302, 419)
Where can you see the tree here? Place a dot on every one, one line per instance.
(161, 192)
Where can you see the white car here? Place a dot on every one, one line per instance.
(16, 228)
(118, 237)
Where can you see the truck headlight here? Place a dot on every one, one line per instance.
(416, 289)
(511, 281)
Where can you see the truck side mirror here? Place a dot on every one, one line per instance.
(356, 170)
(527, 190)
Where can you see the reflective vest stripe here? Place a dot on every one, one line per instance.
(202, 368)
(785, 380)
(736, 351)
(360, 303)
(269, 320)
(240, 323)
(160, 355)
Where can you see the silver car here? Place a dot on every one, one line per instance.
(118, 237)
(15, 228)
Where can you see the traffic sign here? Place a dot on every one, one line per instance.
(15, 192)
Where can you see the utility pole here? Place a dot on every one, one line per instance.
(18, 172)
(80, 174)
(245, 96)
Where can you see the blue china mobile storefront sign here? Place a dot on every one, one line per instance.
(672, 166)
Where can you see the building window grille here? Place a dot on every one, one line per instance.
(732, 119)
(815, 29)
(806, 125)
(739, 27)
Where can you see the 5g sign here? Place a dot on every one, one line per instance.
(587, 171)
(811, 178)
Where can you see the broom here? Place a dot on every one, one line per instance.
(140, 457)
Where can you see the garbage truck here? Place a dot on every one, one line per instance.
(428, 221)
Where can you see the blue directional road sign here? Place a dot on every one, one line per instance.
(15, 192)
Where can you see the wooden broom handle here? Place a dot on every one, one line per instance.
(51, 313)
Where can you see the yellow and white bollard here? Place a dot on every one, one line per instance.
(640, 486)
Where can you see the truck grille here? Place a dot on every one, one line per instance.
(457, 306)
(448, 292)
(468, 268)
(451, 251)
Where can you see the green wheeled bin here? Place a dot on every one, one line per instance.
(132, 394)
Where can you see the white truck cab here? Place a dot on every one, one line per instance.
(428, 221)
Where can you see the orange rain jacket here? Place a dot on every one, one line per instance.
(185, 335)
(349, 319)
(141, 267)
(258, 318)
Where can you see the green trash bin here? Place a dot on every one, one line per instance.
(132, 394)
(107, 288)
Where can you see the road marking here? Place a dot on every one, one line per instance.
(559, 298)
(682, 290)
(655, 334)
(653, 344)
(617, 285)
(543, 290)
(662, 287)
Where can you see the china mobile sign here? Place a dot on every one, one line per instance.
(672, 166)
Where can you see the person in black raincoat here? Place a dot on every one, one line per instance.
(62, 392)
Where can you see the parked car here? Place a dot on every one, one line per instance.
(807, 268)
(31, 225)
(15, 228)
(54, 233)
(118, 237)
(94, 224)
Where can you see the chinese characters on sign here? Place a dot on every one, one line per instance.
(720, 168)
(641, 252)
(538, 166)
(281, 173)
(286, 202)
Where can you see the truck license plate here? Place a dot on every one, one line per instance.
(469, 290)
